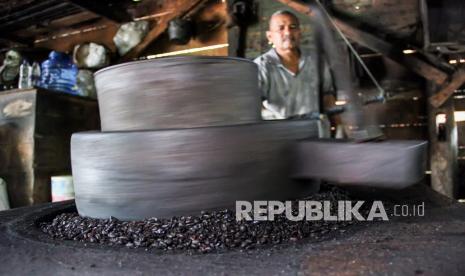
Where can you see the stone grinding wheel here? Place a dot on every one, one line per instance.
(389, 164)
(178, 92)
(135, 175)
(204, 145)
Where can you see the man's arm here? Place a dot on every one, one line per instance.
(263, 79)
(269, 111)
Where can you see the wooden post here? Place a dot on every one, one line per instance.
(241, 15)
(234, 47)
(443, 154)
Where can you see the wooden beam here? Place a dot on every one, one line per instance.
(17, 14)
(105, 8)
(6, 44)
(74, 19)
(458, 79)
(233, 41)
(64, 39)
(20, 20)
(299, 6)
(178, 8)
(376, 44)
(8, 38)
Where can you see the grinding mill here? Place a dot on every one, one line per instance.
(187, 136)
(220, 161)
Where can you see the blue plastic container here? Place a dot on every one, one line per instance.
(59, 73)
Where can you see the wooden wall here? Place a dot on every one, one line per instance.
(210, 22)
(403, 116)
(211, 29)
(101, 32)
(35, 131)
(399, 18)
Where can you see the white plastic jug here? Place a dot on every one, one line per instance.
(4, 203)
(62, 188)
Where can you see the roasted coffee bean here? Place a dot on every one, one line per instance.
(206, 232)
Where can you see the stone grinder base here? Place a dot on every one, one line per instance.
(431, 245)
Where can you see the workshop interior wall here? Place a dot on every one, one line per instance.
(102, 32)
(211, 24)
(211, 29)
(403, 116)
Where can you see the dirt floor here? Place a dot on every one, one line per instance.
(433, 244)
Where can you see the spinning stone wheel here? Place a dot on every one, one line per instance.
(182, 135)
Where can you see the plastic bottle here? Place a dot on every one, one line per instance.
(25, 75)
(35, 74)
(58, 73)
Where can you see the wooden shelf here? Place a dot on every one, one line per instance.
(35, 130)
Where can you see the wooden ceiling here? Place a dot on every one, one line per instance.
(22, 22)
(385, 26)
(31, 22)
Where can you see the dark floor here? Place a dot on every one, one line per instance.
(429, 245)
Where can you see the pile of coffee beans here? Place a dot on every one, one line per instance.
(206, 232)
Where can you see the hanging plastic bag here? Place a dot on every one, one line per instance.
(91, 55)
(85, 84)
(129, 35)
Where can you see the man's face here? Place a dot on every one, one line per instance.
(284, 32)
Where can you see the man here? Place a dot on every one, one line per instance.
(292, 81)
(289, 78)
